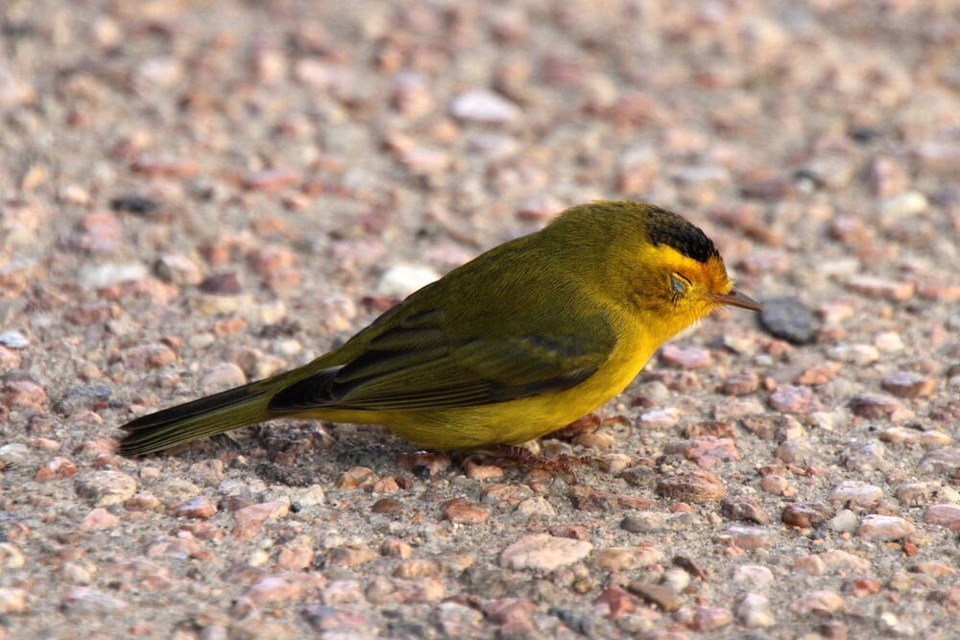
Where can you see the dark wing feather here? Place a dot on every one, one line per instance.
(412, 366)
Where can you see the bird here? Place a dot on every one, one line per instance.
(519, 342)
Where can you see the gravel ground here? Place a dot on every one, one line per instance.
(198, 193)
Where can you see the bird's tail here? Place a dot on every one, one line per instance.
(206, 416)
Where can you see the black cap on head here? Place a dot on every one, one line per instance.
(672, 230)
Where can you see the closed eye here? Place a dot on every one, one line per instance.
(679, 285)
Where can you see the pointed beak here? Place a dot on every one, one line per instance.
(737, 299)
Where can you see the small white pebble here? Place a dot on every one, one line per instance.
(401, 280)
(287, 347)
(200, 341)
(888, 341)
(14, 340)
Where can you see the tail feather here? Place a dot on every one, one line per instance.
(206, 416)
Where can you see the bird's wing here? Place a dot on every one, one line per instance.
(415, 365)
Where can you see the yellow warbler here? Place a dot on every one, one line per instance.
(517, 343)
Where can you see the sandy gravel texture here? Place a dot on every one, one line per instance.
(198, 193)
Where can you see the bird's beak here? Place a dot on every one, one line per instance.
(737, 299)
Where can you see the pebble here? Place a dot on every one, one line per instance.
(105, 488)
(625, 558)
(653, 522)
(143, 501)
(11, 557)
(797, 452)
(659, 418)
(944, 515)
(844, 522)
(221, 376)
(903, 205)
(755, 611)
(806, 515)
(332, 622)
(831, 171)
(866, 457)
(513, 616)
(788, 318)
(458, 620)
(90, 600)
(13, 454)
(350, 556)
(945, 461)
(146, 356)
(480, 105)
(747, 537)
(678, 578)
(706, 450)
(99, 312)
(12, 600)
(262, 511)
(10, 360)
(822, 602)
(14, 340)
(272, 179)
(410, 95)
(915, 494)
(107, 275)
(835, 312)
(907, 384)
(399, 281)
(735, 409)
(357, 478)
(171, 167)
(58, 468)
(536, 506)
(685, 357)
(818, 374)
(637, 168)
(857, 493)
(614, 602)
(876, 287)
(875, 405)
(745, 508)
(198, 507)
(98, 519)
(460, 511)
(741, 384)
(268, 590)
(417, 568)
(162, 71)
(694, 486)
(543, 552)
(396, 549)
(420, 591)
(387, 506)
(793, 399)
(908, 435)
(508, 494)
(755, 575)
(880, 527)
(182, 546)
(22, 393)
(706, 619)
(888, 342)
(659, 595)
(177, 269)
(887, 177)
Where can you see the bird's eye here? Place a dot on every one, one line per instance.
(679, 284)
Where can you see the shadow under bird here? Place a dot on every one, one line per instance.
(519, 342)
